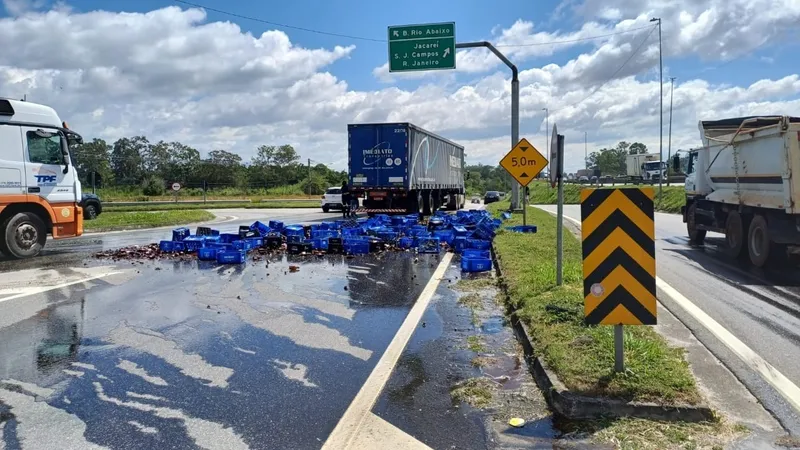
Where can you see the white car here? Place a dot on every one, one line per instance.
(332, 199)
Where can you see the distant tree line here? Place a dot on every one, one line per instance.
(137, 163)
(482, 178)
(612, 161)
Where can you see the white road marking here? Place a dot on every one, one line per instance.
(39, 290)
(350, 424)
(783, 385)
(771, 375)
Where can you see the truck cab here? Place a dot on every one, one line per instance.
(39, 188)
(654, 170)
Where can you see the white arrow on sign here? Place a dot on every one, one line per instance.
(446, 52)
(396, 34)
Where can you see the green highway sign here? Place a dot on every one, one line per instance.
(422, 47)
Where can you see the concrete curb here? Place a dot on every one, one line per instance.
(572, 406)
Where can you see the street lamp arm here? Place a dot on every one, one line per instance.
(514, 72)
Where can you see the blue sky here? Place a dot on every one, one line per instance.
(468, 106)
(475, 20)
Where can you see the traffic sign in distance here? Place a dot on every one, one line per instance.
(619, 256)
(176, 187)
(524, 162)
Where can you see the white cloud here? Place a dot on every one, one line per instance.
(19, 7)
(170, 74)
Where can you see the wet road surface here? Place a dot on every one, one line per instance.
(72, 251)
(761, 307)
(187, 354)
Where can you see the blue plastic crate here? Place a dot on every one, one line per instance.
(405, 242)
(505, 216)
(194, 243)
(294, 230)
(260, 227)
(178, 246)
(479, 244)
(459, 244)
(230, 257)
(227, 238)
(324, 234)
(206, 231)
(320, 243)
(388, 235)
(475, 253)
(447, 236)
(257, 241)
(295, 238)
(211, 239)
(475, 264)
(207, 253)
(179, 234)
(356, 247)
(459, 230)
(352, 231)
(276, 225)
(166, 246)
(428, 244)
(243, 244)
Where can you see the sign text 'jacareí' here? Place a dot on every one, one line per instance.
(422, 47)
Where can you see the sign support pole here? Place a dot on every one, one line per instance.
(619, 355)
(515, 187)
(560, 208)
(525, 206)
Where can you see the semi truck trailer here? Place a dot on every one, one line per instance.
(39, 189)
(744, 182)
(399, 168)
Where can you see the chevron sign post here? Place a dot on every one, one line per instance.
(619, 262)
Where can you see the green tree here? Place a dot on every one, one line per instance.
(93, 157)
(127, 162)
(637, 148)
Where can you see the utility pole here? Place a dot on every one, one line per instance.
(661, 105)
(669, 139)
(309, 177)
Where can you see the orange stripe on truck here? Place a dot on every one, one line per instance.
(67, 217)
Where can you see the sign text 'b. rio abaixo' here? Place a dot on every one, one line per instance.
(422, 47)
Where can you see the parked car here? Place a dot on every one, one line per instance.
(583, 179)
(491, 197)
(476, 199)
(92, 206)
(332, 199)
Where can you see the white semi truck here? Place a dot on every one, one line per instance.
(745, 182)
(39, 191)
(645, 167)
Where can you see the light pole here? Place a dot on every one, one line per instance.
(669, 139)
(585, 151)
(547, 133)
(661, 104)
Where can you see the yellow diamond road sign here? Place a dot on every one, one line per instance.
(524, 162)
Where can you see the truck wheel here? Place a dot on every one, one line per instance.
(90, 212)
(24, 235)
(326, 208)
(734, 234)
(758, 241)
(696, 237)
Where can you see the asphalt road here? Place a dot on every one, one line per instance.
(186, 354)
(760, 307)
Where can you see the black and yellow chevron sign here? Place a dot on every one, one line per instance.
(619, 256)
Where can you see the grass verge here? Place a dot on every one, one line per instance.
(543, 194)
(114, 220)
(195, 206)
(583, 356)
(638, 434)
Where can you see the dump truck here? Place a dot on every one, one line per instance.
(743, 182)
(40, 192)
(645, 168)
(399, 168)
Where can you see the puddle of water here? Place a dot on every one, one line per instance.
(493, 325)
